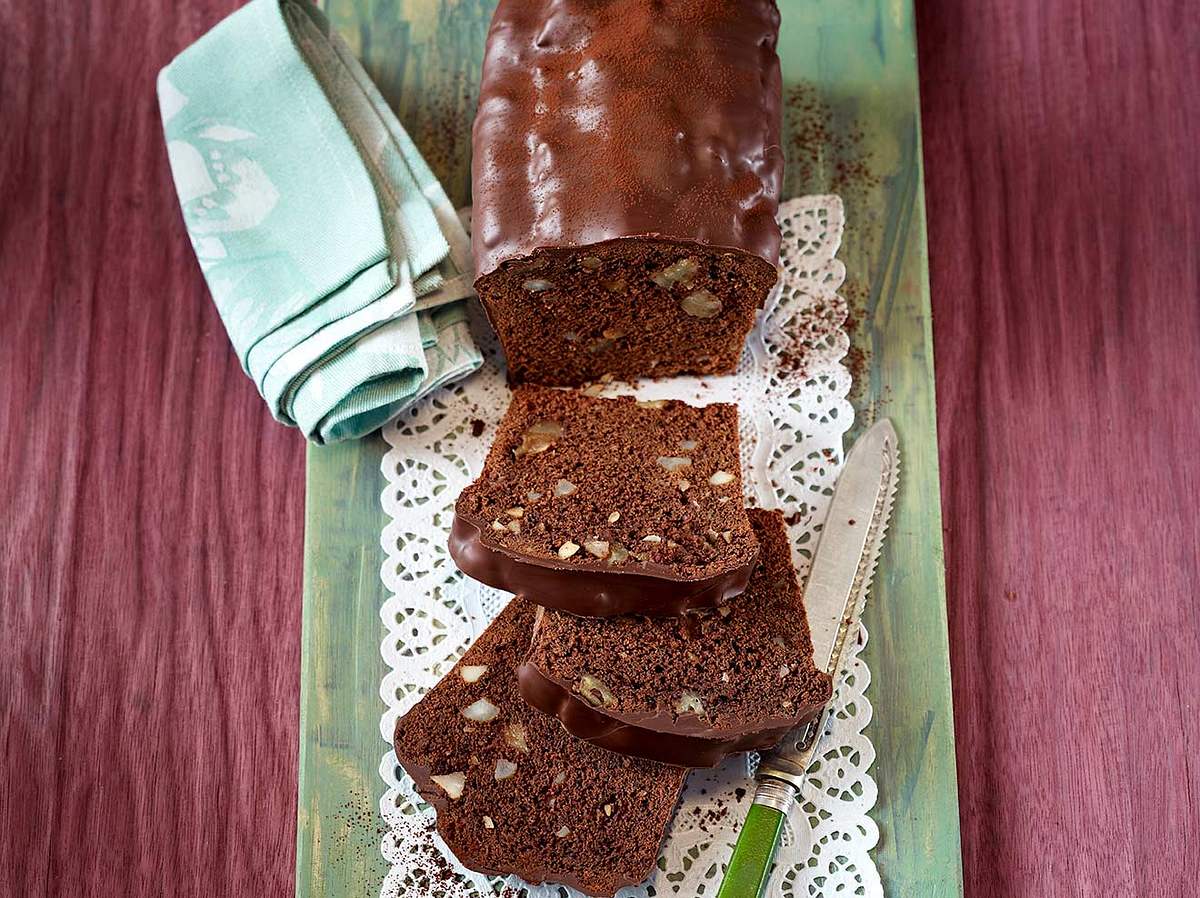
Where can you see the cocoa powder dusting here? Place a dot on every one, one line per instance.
(826, 155)
(858, 357)
(812, 329)
(823, 157)
(856, 363)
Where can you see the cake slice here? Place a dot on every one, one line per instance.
(686, 690)
(607, 506)
(514, 792)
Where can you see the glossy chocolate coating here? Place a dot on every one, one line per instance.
(629, 118)
(692, 744)
(587, 589)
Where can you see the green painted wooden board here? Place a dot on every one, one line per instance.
(853, 122)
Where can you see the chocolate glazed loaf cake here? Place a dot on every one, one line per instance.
(686, 690)
(514, 792)
(626, 175)
(607, 506)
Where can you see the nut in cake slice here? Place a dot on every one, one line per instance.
(602, 507)
(686, 690)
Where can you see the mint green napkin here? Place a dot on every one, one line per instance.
(339, 267)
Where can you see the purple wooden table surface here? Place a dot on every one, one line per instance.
(151, 546)
(1062, 147)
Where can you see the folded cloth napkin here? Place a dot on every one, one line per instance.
(338, 264)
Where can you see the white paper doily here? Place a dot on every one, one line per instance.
(791, 390)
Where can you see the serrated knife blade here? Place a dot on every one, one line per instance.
(834, 598)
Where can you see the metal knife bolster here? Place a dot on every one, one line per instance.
(780, 773)
(777, 794)
(836, 593)
(789, 761)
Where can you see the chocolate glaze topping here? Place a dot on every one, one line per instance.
(593, 590)
(600, 121)
(704, 748)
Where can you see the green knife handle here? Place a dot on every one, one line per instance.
(746, 876)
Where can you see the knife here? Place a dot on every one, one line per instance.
(834, 598)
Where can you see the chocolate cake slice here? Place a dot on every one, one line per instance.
(626, 173)
(686, 690)
(607, 506)
(514, 792)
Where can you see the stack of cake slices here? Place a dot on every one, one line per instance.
(658, 625)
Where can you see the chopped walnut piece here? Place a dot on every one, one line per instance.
(672, 463)
(680, 272)
(516, 737)
(689, 703)
(701, 304)
(594, 692)
(539, 437)
(472, 673)
(481, 711)
(451, 783)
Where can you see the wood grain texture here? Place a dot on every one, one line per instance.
(150, 555)
(151, 546)
(338, 822)
(1064, 191)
